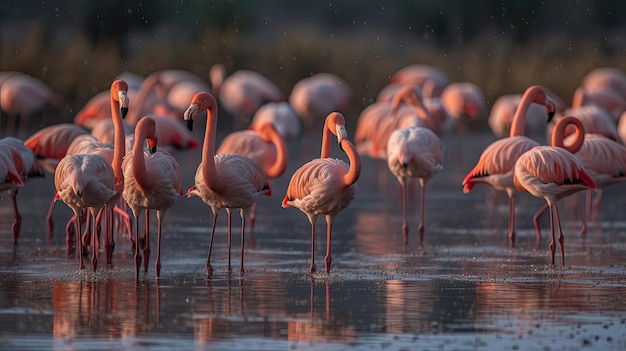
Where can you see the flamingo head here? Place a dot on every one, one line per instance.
(119, 89)
(200, 102)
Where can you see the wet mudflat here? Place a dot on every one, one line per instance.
(464, 289)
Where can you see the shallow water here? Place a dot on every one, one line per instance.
(464, 289)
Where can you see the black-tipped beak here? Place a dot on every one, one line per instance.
(152, 149)
(550, 116)
(124, 112)
(190, 124)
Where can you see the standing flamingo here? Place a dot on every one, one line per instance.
(227, 181)
(152, 181)
(325, 186)
(262, 144)
(552, 173)
(85, 182)
(414, 152)
(497, 162)
(243, 92)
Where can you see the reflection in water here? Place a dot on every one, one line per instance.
(111, 309)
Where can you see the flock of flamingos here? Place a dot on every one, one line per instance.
(107, 160)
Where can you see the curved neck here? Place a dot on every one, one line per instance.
(139, 163)
(280, 163)
(327, 137)
(355, 162)
(558, 135)
(532, 95)
(208, 150)
(137, 107)
(119, 142)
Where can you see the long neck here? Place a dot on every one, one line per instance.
(280, 163)
(139, 162)
(558, 136)
(137, 107)
(119, 144)
(208, 150)
(327, 137)
(355, 162)
(519, 118)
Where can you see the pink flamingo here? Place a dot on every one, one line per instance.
(22, 96)
(464, 101)
(605, 77)
(243, 92)
(282, 116)
(85, 182)
(610, 100)
(552, 173)
(594, 119)
(497, 162)
(152, 181)
(603, 159)
(414, 152)
(262, 144)
(17, 164)
(314, 97)
(325, 186)
(429, 79)
(227, 181)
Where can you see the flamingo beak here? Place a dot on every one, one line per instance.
(188, 116)
(152, 144)
(123, 99)
(551, 110)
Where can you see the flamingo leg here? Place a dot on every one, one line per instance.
(137, 256)
(79, 244)
(583, 216)
(536, 218)
(243, 233)
(596, 203)
(68, 233)
(209, 268)
(420, 227)
(512, 221)
(49, 221)
(17, 223)
(146, 243)
(552, 243)
(252, 217)
(313, 269)
(560, 238)
(228, 239)
(157, 263)
(329, 229)
(404, 199)
(109, 245)
(94, 243)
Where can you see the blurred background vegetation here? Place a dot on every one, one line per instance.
(77, 47)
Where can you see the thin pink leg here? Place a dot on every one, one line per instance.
(552, 243)
(209, 268)
(512, 221)
(243, 237)
(49, 221)
(404, 199)
(228, 239)
(583, 216)
(157, 263)
(596, 204)
(146, 243)
(137, 256)
(560, 238)
(94, 243)
(537, 227)
(17, 223)
(329, 229)
(79, 243)
(420, 228)
(313, 269)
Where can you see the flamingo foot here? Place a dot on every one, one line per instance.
(313, 269)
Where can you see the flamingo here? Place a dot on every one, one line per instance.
(414, 152)
(243, 92)
(497, 162)
(325, 186)
(464, 101)
(605, 77)
(610, 100)
(17, 164)
(603, 159)
(152, 181)
(429, 79)
(85, 182)
(314, 97)
(552, 173)
(282, 116)
(262, 144)
(227, 181)
(22, 96)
